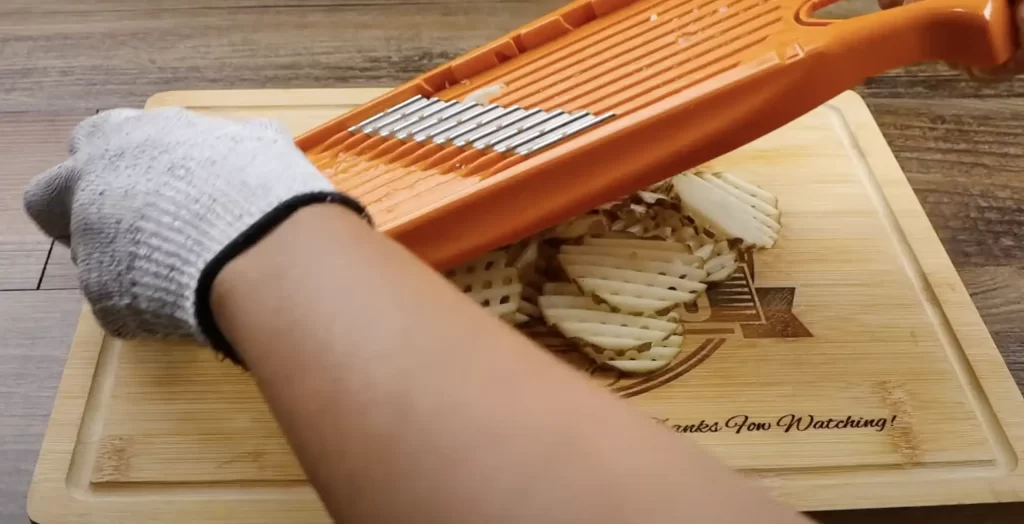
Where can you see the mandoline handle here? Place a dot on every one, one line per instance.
(976, 33)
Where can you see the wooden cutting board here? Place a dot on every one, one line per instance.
(845, 368)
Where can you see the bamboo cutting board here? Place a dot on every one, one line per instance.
(845, 368)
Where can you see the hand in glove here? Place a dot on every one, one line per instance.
(153, 204)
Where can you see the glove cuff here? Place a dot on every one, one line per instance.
(248, 238)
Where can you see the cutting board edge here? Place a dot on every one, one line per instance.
(941, 277)
(49, 497)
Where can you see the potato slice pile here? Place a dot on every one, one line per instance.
(730, 207)
(611, 280)
(627, 342)
(640, 277)
(492, 284)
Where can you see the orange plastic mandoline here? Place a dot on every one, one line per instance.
(605, 97)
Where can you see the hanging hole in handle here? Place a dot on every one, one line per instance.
(823, 12)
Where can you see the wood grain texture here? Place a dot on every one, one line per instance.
(999, 295)
(35, 332)
(936, 82)
(60, 272)
(963, 157)
(156, 411)
(120, 57)
(30, 143)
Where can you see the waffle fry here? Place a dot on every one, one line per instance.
(490, 284)
(649, 279)
(634, 253)
(604, 288)
(672, 269)
(631, 265)
(658, 245)
(556, 315)
(487, 262)
(555, 301)
(723, 213)
(638, 367)
(750, 189)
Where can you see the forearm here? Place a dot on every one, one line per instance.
(406, 402)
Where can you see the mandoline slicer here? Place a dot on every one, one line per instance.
(605, 97)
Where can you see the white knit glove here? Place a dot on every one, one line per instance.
(153, 204)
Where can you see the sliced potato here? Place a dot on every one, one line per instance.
(601, 354)
(655, 280)
(722, 274)
(621, 235)
(585, 330)
(672, 269)
(716, 264)
(529, 309)
(581, 226)
(655, 353)
(613, 348)
(526, 258)
(556, 315)
(763, 208)
(632, 264)
(705, 251)
(750, 189)
(722, 212)
(484, 95)
(487, 262)
(635, 305)
(519, 318)
(675, 341)
(600, 346)
(569, 302)
(660, 245)
(638, 366)
(498, 290)
(499, 296)
(649, 197)
(636, 254)
(484, 280)
(595, 285)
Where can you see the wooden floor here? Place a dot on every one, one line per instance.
(961, 144)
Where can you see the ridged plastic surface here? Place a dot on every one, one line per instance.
(687, 80)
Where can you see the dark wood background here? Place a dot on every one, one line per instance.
(959, 142)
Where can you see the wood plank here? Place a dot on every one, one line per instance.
(60, 272)
(963, 158)
(109, 59)
(35, 332)
(29, 144)
(999, 294)
(933, 81)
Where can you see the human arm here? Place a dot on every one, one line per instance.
(407, 402)
(403, 400)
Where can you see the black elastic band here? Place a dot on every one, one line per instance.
(248, 238)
